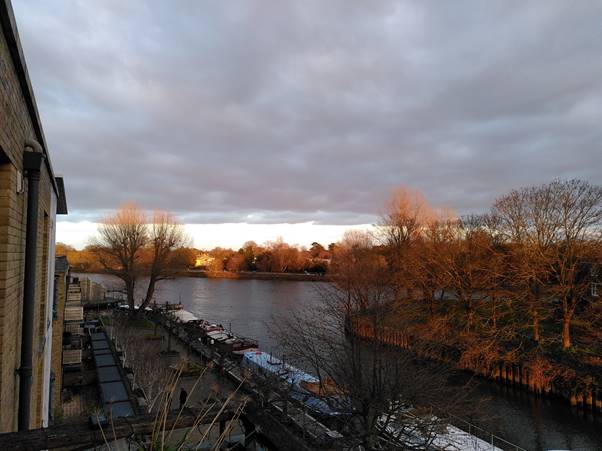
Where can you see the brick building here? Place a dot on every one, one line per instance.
(30, 198)
(61, 285)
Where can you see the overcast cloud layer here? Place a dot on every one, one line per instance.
(274, 111)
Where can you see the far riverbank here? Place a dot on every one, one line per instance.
(255, 275)
(242, 275)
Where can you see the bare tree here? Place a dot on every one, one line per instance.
(497, 271)
(523, 222)
(125, 237)
(426, 262)
(360, 273)
(386, 397)
(469, 253)
(283, 256)
(554, 231)
(407, 215)
(119, 244)
(165, 235)
(578, 212)
(141, 358)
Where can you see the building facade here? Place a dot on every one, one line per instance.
(61, 285)
(30, 198)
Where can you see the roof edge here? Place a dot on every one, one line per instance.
(9, 28)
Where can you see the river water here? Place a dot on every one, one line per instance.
(249, 306)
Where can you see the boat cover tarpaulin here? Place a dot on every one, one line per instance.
(272, 365)
(184, 315)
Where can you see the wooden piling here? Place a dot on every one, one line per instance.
(589, 400)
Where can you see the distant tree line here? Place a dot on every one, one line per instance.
(272, 256)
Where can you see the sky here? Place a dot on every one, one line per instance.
(254, 119)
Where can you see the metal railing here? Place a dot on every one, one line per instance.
(483, 434)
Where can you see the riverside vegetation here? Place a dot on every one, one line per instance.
(511, 294)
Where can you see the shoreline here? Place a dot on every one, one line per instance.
(254, 275)
(518, 375)
(240, 275)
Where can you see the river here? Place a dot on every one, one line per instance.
(248, 306)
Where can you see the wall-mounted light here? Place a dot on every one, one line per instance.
(20, 185)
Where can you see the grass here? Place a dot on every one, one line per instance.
(164, 438)
(191, 369)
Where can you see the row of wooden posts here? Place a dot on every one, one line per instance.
(510, 374)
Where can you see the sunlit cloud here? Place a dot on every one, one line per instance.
(228, 235)
(313, 111)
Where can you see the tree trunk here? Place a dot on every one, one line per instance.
(129, 288)
(494, 312)
(150, 291)
(566, 332)
(371, 438)
(431, 299)
(533, 294)
(469, 313)
(535, 315)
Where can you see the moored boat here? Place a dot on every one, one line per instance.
(266, 366)
(244, 345)
(184, 316)
(167, 306)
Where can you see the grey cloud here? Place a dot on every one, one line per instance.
(312, 111)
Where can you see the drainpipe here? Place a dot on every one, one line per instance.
(32, 163)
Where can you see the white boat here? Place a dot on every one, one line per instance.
(183, 315)
(217, 334)
(447, 438)
(211, 328)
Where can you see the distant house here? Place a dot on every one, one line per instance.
(30, 198)
(203, 261)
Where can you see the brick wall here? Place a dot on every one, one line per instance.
(57, 339)
(15, 127)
